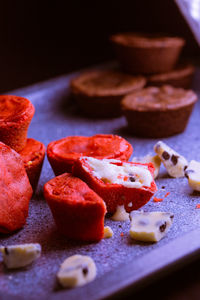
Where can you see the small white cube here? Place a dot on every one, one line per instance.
(18, 256)
(193, 175)
(108, 232)
(76, 270)
(149, 226)
(174, 163)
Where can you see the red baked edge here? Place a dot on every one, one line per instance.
(15, 189)
(33, 156)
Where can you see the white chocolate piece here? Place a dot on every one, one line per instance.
(108, 232)
(155, 160)
(173, 161)
(120, 214)
(126, 174)
(149, 226)
(76, 270)
(193, 175)
(19, 256)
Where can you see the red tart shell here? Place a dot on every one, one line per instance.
(33, 156)
(15, 116)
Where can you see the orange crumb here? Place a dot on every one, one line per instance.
(155, 199)
(167, 194)
(198, 206)
(125, 178)
(121, 233)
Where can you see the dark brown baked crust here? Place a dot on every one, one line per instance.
(181, 76)
(99, 92)
(145, 53)
(146, 40)
(158, 112)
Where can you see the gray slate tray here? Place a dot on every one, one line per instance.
(122, 264)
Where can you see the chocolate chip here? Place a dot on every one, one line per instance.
(165, 155)
(163, 187)
(85, 271)
(185, 168)
(132, 179)
(162, 225)
(174, 159)
(6, 251)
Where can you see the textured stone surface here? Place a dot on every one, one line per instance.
(56, 117)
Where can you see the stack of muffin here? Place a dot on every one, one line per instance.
(158, 111)
(15, 116)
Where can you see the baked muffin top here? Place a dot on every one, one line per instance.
(106, 83)
(99, 146)
(14, 109)
(146, 40)
(155, 98)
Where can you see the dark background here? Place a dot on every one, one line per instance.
(42, 39)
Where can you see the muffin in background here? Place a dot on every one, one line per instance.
(181, 76)
(147, 53)
(99, 92)
(157, 112)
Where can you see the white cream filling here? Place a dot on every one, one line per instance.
(127, 174)
(120, 214)
(154, 159)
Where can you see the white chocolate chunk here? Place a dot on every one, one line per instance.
(120, 214)
(18, 256)
(193, 175)
(149, 226)
(76, 270)
(155, 160)
(126, 174)
(108, 233)
(173, 161)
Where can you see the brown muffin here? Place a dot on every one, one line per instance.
(147, 53)
(15, 116)
(99, 93)
(158, 112)
(181, 76)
